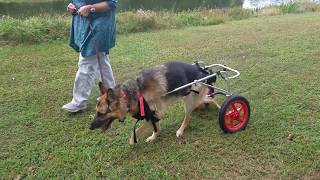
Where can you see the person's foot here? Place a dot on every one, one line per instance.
(71, 107)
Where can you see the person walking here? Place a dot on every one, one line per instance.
(92, 35)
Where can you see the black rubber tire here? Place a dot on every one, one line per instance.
(224, 108)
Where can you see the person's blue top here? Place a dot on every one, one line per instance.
(104, 29)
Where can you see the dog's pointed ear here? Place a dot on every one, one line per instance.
(111, 95)
(103, 89)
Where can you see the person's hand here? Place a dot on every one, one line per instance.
(85, 10)
(71, 8)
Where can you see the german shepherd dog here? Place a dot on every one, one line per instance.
(153, 85)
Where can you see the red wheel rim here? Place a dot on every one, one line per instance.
(236, 115)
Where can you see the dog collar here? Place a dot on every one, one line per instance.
(126, 98)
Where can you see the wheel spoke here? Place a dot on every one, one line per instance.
(234, 108)
(229, 114)
(240, 109)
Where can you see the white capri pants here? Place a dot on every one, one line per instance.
(86, 75)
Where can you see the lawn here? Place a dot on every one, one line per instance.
(279, 61)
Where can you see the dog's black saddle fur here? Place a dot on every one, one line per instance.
(179, 74)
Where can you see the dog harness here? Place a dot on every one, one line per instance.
(144, 113)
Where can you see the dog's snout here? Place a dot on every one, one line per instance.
(94, 125)
(99, 114)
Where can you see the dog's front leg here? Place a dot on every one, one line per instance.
(139, 132)
(154, 134)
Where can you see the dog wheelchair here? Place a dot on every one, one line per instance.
(234, 113)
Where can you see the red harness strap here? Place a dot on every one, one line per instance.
(142, 112)
(141, 102)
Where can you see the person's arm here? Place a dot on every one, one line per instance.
(98, 7)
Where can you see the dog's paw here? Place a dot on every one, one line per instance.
(151, 139)
(179, 133)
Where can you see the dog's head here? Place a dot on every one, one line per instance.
(111, 106)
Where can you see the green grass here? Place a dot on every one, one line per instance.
(34, 29)
(278, 58)
(289, 8)
(48, 27)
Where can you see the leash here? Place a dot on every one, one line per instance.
(97, 50)
(135, 126)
